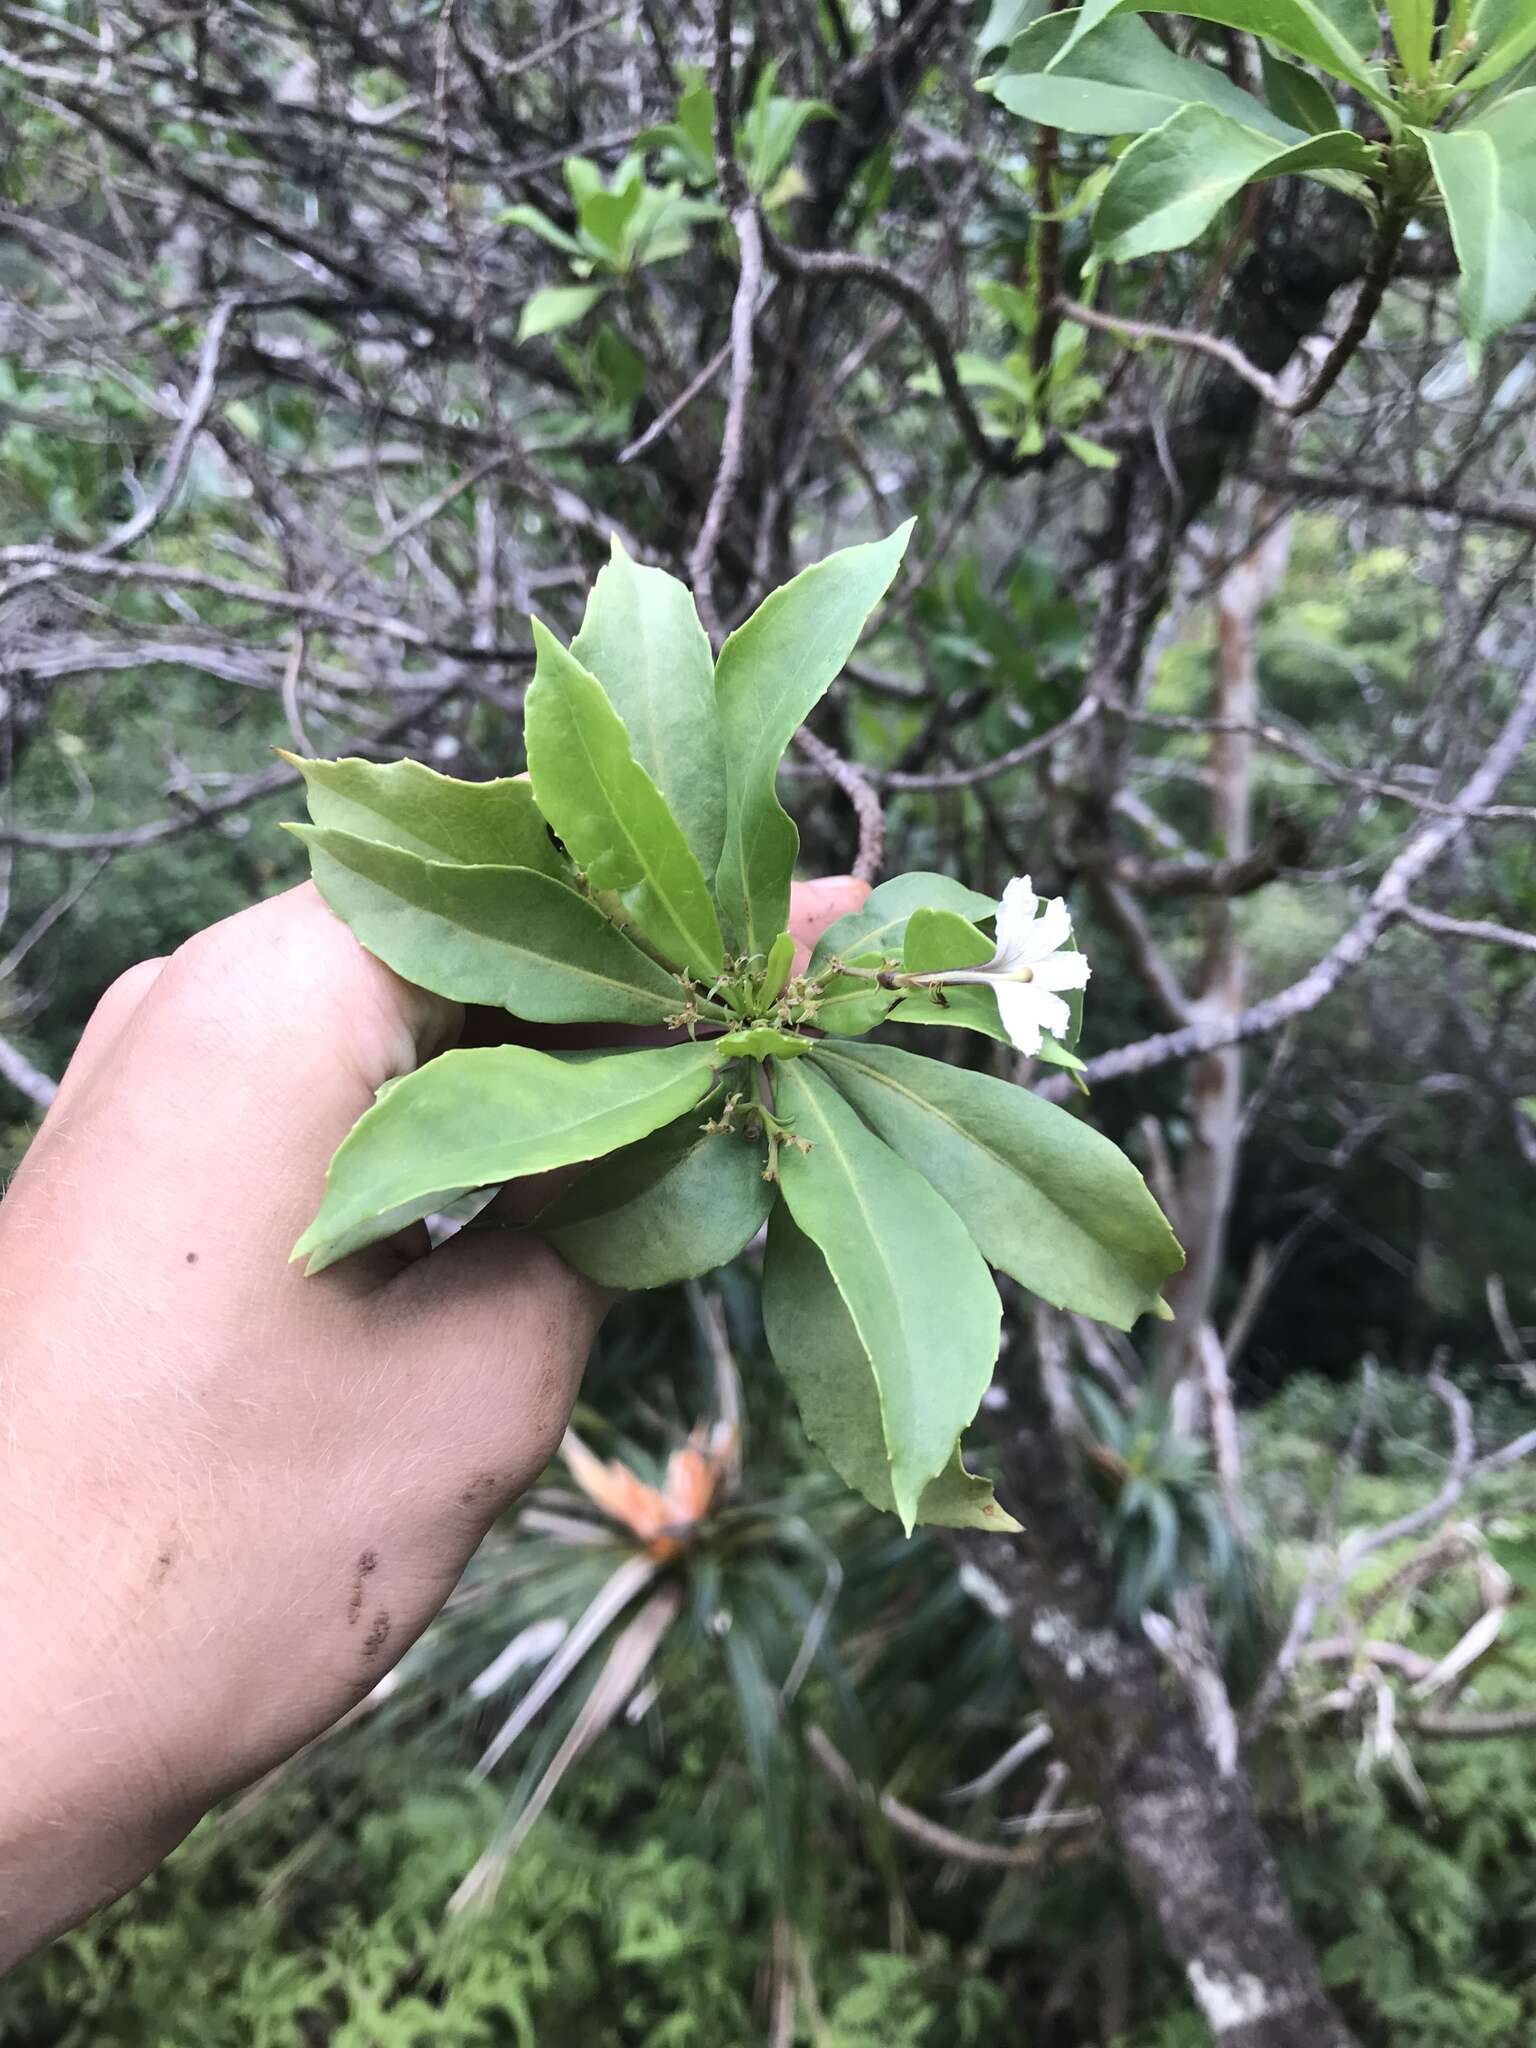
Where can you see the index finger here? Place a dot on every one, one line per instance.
(813, 906)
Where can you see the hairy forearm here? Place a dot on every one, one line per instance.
(87, 1803)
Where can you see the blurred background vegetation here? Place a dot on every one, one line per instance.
(775, 1774)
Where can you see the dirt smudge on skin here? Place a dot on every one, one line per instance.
(482, 1488)
(366, 1566)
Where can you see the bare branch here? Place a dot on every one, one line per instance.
(1482, 930)
(25, 1078)
(932, 1834)
(1386, 903)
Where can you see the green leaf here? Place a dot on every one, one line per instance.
(663, 226)
(770, 132)
(604, 215)
(938, 939)
(772, 672)
(781, 958)
(1506, 32)
(677, 1204)
(1296, 97)
(402, 804)
(556, 306)
(877, 932)
(1170, 185)
(1486, 171)
(1413, 31)
(582, 179)
(540, 224)
(817, 1347)
(1005, 20)
(1092, 454)
(642, 639)
(761, 1042)
(1121, 79)
(612, 817)
(504, 936)
(919, 1294)
(1047, 1199)
(967, 1008)
(696, 118)
(879, 926)
(479, 1116)
(1335, 35)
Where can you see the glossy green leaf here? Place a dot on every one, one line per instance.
(557, 306)
(1170, 185)
(1121, 79)
(508, 937)
(677, 1204)
(1296, 97)
(612, 817)
(877, 932)
(919, 1293)
(1336, 35)
(1486, 171)
(642, 639)
(772, 672)
(402, 804)
(937, 939)
(1047, 1199)
(817, 1347)
(478, 1116)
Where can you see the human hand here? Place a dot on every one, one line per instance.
(232, 1497)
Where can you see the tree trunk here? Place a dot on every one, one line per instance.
(1215, 1098)
(1191, 1846)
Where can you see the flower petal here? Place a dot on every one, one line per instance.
(1053, 1013)
(1018, 1005)
(1015, 915)
(1062, 970)
(1049, 932)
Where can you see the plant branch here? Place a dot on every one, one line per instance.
(1387, 902)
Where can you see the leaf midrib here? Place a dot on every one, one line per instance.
(445, 1165)
(695, 944)
(662, 1001)
(830, 1138)
(982, 1144)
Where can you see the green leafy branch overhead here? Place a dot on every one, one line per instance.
(1439, 112)
(628, 222)
(640, 876)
